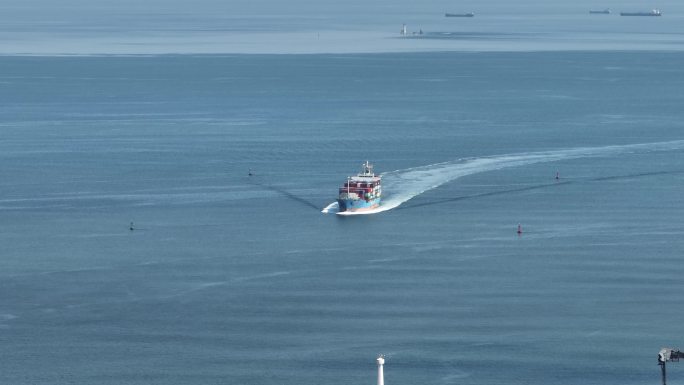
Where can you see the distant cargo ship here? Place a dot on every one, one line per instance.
(469, 14)
(655, 12)
(360, 192)
(602, 11)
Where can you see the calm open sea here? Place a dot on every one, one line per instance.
(231, 279)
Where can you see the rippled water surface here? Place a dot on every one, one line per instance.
(228, 278)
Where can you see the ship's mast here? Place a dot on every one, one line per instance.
(368, 169)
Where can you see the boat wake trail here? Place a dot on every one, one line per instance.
(403, 185)
(286, 194)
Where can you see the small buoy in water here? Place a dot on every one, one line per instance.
(519, 229)
(250, 172)
(131, 227)
(557, 175)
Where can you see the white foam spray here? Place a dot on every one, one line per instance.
(403, 185)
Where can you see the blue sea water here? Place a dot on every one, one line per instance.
(153, 113)
(87, 27)
(234, 279)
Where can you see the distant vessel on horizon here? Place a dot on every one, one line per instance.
(361, 192)
(602, 11)
(655, 12)
(469, 14)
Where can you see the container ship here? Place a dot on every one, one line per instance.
(469, 14)
(655, 12)
(361, 192)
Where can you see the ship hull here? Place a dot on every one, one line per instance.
(355, 205)
(639, 14)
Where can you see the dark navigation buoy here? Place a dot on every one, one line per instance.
(557, 175)
(519, 229)
(250, 172)
(131, 228)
